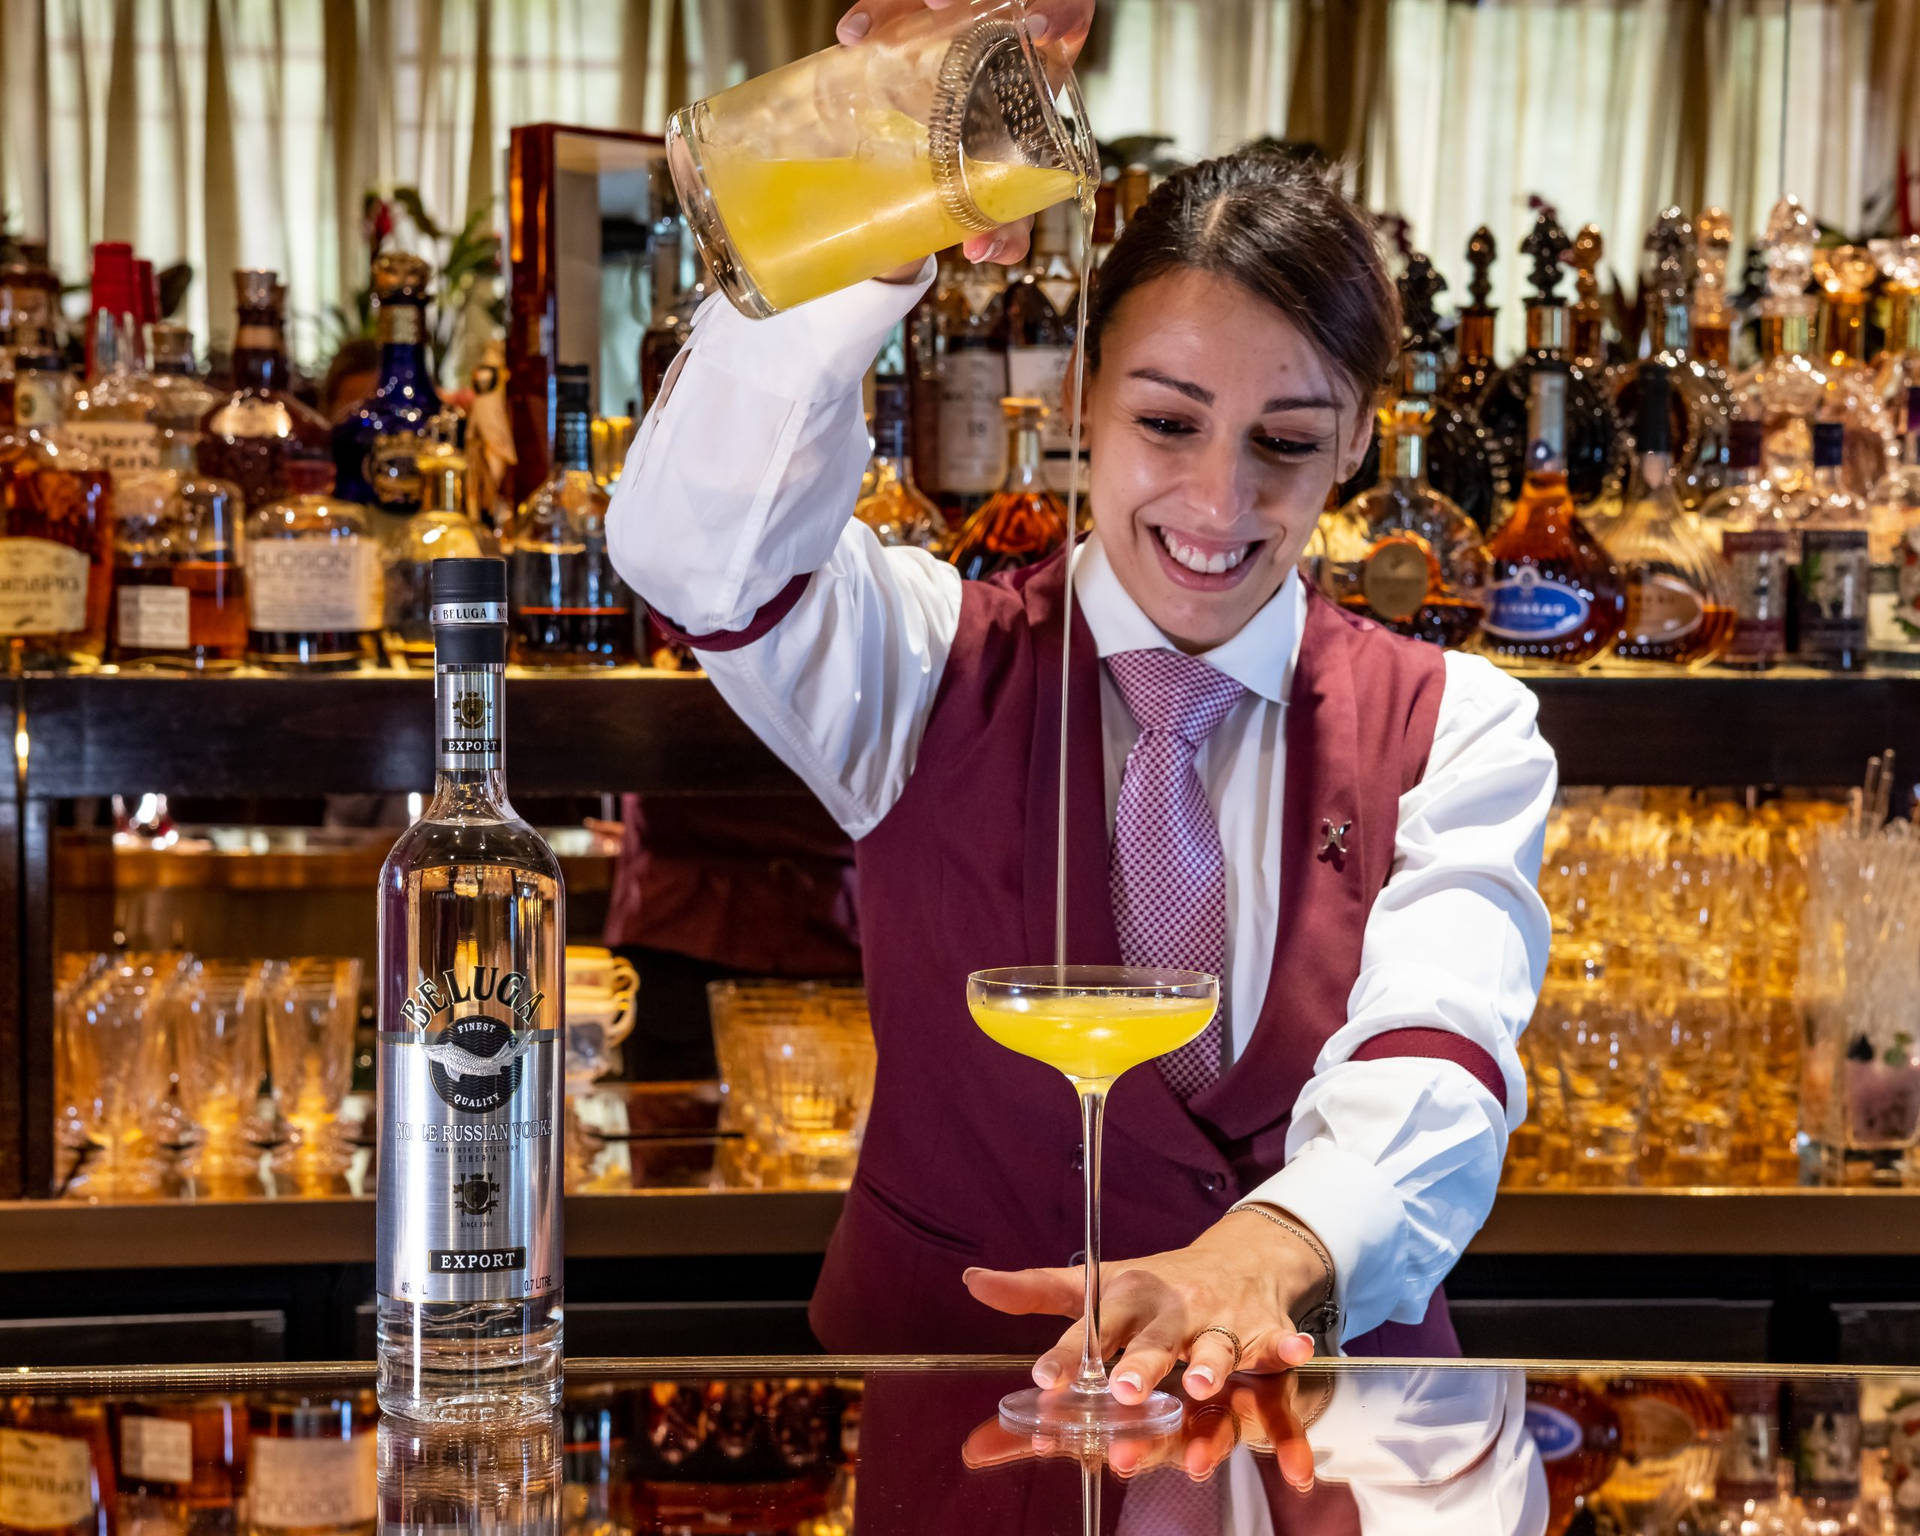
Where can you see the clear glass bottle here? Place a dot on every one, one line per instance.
(1595, 446)
(1554, 595)
(56, 530)
(509, 1468)
(183, 400)
(570, 607)
(1749, 521)
(470, 1112)
(115, 419)
(890, 503)
(256, 432)
(1042, 315)
(1846, 275)
(1893, 538)
(1898, 367)
(1713, 314)
(314, 598)
(1679, 607)
(29, 314)
(370, 465)
(972, 460)
(1402, 553)
(1473, 365)
(179, 588)
(439, 529)
(676, 300)
(1747, 1481)
(1833, 575)
(1025, 522)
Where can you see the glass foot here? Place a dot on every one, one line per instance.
(1079, 1418)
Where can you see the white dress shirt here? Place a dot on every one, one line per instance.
(743, 476)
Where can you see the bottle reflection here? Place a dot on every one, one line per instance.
(483, 1477)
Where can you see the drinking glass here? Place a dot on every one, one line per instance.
(1600, 1070)
(845, 165)
(219, 1043)
(1091, 1022)
(117, 1052)
(312, 1006)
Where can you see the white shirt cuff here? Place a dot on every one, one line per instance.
(817, 351)
(1355, 1210)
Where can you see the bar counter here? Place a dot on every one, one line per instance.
(814, 1446)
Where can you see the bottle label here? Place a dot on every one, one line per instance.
(39, 399)
(1393, 578)
(46, 1481)
(1827, 1465)
(154, 618)
(156, 1450)
(1662, 608)
(1903, 632)
(1040, 373)
(1757, 559)
(120, 447)
(973, 430)
(470, 1091)
(468, 699)
(43, 588)
(1530, 606)
(1835, 577)
(1556, 1434)
(313, 586)
(305, 1484)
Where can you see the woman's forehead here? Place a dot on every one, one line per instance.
(1213, 331)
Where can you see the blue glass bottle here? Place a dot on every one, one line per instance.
(369, 467)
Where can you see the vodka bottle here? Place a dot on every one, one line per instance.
(471, 981)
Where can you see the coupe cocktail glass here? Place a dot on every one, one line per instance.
(1091, 1022)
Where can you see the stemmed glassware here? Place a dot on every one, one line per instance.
(219, 1044)
(312, 1005)
(1091, 1022)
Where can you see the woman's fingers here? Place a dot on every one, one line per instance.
(1212, 1432)
(1023, 1292)
(1149, 1356)
(858, 23)
(1210, 1361)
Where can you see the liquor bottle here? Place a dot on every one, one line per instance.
(29, 314)
(56, 530)
(1700, 393)
(314, 599)
(1554, 595)
(1679, 607)
(183, 400)
(1893, 535)
(503, 1477)
(179, 588)
(182, 1465)
(255, 433)
(370, 462)
(1474, 367)
(925, 360)
(439, 529)
(1586, 320)
(1834, 574)
(890, 503)
(56, 1468)
(1713, 313)
(1025, 522)
(1824, 1415)
(1898, 368)
(972, 460)
(1402, 553)
(1747, 1482)
(311, 1465)
(675, 302)
(114, 419)
(570, 607)
(1106, 224)
(1845, 274)
(1750, 521)
(1042, 317)
(472, 979)
(1594, 443)
(1130, 193)
(1577, 1435)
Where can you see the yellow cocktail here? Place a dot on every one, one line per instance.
(1091, 1038)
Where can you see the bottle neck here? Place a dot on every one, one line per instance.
(1903, 322)
(1547, 426)
(260, 354)
(469, 706)
(401, 327)
(1713, 341)
(1788, 335)
(1676, 329)
(1407, 452)
(890, 439)
(1547, 328)
(1476, 335)
(573, 441)
(1846, 329)
(1028, 460)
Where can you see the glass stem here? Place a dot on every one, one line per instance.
(1093, 1367)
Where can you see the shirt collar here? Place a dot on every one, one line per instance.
(1261, 658)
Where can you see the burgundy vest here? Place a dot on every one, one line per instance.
(971, 1152)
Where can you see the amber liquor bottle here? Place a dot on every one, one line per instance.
(1554, 595)
(182, 1464)
(56, 1468)
(1473, 366)
(972, 457)
(252, 436)
(1025, 522)
(1713, 312)
(1042, 324)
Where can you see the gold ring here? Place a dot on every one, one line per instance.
(1229, 1335)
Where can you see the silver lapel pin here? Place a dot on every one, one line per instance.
(1333, 838)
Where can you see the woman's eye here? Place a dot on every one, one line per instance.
(1288, 447)
(1165, 426)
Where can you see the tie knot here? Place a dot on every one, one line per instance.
(1170, 691)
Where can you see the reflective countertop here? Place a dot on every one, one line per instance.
(815, 1446)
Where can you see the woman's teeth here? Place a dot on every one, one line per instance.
(1198, 560)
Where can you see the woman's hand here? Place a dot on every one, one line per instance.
(1009, 244)
(1245, 1273)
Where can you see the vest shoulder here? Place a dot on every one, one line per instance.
(1375, 646)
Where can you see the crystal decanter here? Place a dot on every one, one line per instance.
(1594, 444)
(1714, 316)
(1898, 369)
(1473, 364)
(1586, 318)
(1846, 274)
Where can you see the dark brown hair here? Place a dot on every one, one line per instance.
(1275, 221)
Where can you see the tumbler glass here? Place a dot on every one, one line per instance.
(219, 1047)
(853, 162)
(312, 1007)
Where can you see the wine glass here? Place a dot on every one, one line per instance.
(1091, 1022)
(312, 1006)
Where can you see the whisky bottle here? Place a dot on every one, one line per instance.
(1042, 316)
(972, 461)
(1700, 392)
(1748, 518)
(1898, 367)
(56, 1468)
(311, 1465)
(371, 461)
(472, 980)
(890, 503)
(179, 588)
(115, 418)
(1554, 595)
(439, 529)
(183, 399)
(29, 314)
(1893, 538)
(1679, 609)
(1025, 522)
(1402, 553)
(56, 530)
(1474, 367)
(1594, 443)
(314, 594)
(1713, 313)
(181, 1466)
(570, 607)
(1586, 319)
(1845, 274)
(1834, 574)
(252, 435)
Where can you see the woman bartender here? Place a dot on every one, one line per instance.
(1344, 825)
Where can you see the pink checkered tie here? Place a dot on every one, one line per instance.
(1167, 873)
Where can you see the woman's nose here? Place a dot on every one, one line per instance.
(1218, 488)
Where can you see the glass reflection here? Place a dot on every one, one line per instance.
(499, 1478)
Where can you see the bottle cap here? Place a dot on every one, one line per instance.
(1829, 444)
(402, 276)
(469, 591)
(113, 278)
(257, 288)
(1656, 393)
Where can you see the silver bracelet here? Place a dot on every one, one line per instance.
(1323, 1321)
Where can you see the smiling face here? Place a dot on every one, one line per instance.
(1217, 429)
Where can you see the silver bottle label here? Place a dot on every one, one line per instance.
(469, 1177)
(468, 699)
